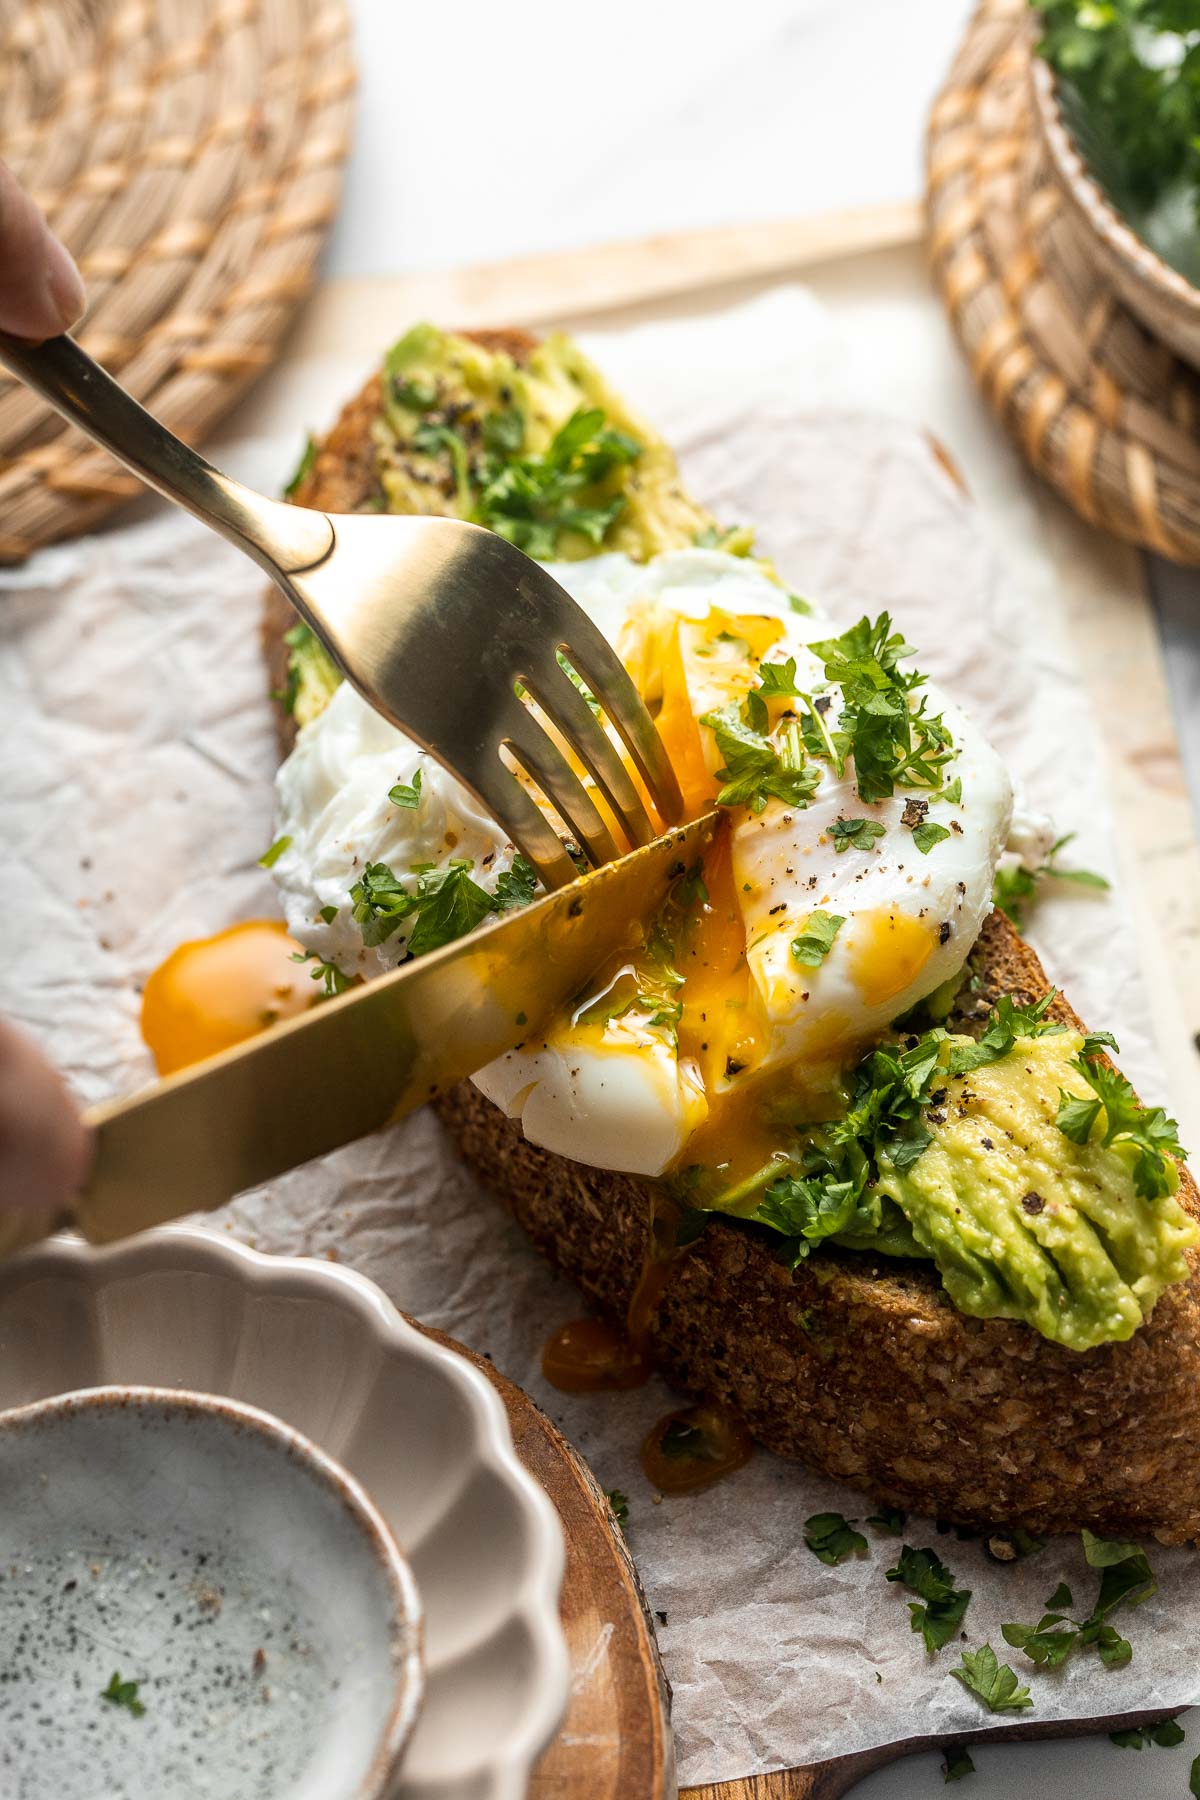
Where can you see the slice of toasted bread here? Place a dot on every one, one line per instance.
(857, 1365)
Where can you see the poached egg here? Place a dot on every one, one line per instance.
(701, 1048)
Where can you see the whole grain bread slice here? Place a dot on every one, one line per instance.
(856, 1365)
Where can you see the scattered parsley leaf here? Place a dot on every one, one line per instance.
(620, 1506)
(1194, 1779)
(992, 1682)
(328, 914)
(956, 1765)
(532, 498)
(123, 1693)
(270, 857)
(927, 834)
(938, 1611)
(1145, 1131)
(1006, 1023)
(778, 680)
(1136, 1737)
(815, 941)
(894, 744)
(952, 792)
(755, 769)
(832, 1539)
(327, 973)
(515, 886)
(407, 794)
(1048, 1643)
(1127, 1578)
(857, 833)
(1075, 1117)
(304, 468)
(1014, 884)
(889, 1519)
(1060, 1599)
(449, 904)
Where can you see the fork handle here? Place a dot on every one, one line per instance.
(284, 539)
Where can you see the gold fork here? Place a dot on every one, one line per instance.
(443, 627)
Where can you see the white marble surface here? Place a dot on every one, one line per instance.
(484, 134)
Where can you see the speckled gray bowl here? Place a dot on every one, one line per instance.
(211, 1555)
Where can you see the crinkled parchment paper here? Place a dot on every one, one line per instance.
(137, 752)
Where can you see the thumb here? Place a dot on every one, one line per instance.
(45, 1148)
(41, 290)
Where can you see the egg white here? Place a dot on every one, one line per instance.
(623, 1098)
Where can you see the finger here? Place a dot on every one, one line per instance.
(45, 1148)
(41, 290)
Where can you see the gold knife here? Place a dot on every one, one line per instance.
(361, 1061)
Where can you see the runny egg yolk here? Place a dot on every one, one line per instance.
(887, 951)
(673, 660)
(214, 992)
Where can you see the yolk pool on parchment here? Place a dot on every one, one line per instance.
(214, 992)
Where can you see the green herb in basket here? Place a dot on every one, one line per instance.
(1129, 84)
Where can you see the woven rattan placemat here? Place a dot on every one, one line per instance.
(1100, 408)
(189, 152)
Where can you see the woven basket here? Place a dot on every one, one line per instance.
(189, 152)
(1100, 407)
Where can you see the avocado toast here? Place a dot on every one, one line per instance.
(852, 1359)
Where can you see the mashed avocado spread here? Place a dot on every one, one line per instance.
(1025, 1224)
(1021, 1164)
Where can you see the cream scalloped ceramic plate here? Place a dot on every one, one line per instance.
(424, 1432)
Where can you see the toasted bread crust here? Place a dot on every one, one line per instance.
(857, 1365)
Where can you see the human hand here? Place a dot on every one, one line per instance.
(45, 1148)
(41, 290)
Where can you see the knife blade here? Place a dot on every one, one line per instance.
(357, 1063)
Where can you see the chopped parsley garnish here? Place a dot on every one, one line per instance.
(327, 973)
(1048, 1643)
(992, 1682)
(515, 886)
(1146, 1131)
(530, 499)
(620, 1506)
(889, 1519)
(927, 834)
(1006, 1023)
(952, 792)
(956, 1765)
(756, 769)
(1013, 886)
(939, 1607)
(328, 914)
(833, 1539)
(270, 857)
(894, 743)
(407, 794)
(444, 903)
(123, 1693)
(778, 680)
(815, 942)
(1136, 1737)
(304, 468)
(858, 834)
(448, 905)
(1126, 1580)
